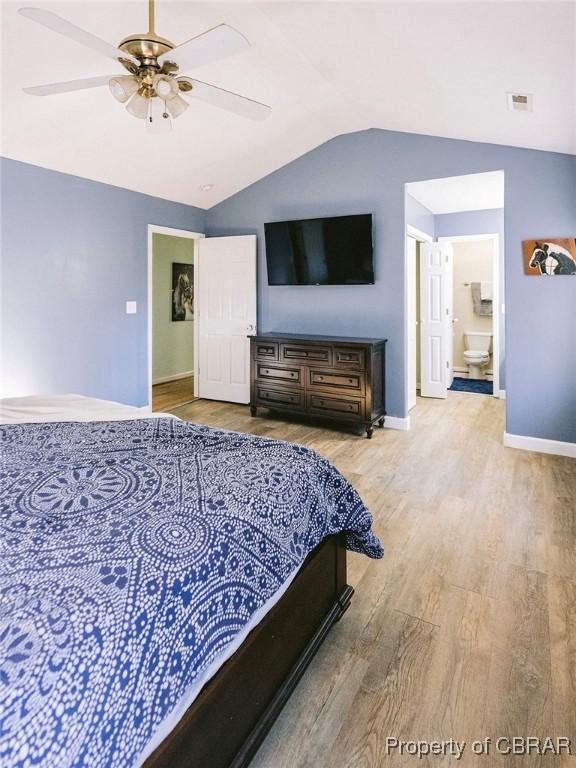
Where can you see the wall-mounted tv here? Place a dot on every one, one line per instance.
(329, 251)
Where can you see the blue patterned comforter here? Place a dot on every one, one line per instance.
(131, 554)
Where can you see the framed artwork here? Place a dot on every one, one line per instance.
(182, 291)
(550, 256)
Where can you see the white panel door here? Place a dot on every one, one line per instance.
(226, 296)
(436, 331)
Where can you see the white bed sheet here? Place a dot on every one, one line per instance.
(36, 409)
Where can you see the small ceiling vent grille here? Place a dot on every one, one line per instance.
(520, 102)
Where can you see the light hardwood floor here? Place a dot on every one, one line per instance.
(467, 628)
(171, 394)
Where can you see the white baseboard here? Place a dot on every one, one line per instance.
(502, 394)
(174, 377)
(540, 445)
(395, 422)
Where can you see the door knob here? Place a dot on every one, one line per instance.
(251, 328)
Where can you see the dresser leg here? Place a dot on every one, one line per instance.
(253, 410)
(381, 422)
(369, 430)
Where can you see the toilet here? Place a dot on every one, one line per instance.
(478, 346)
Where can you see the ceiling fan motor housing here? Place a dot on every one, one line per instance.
(146, 47)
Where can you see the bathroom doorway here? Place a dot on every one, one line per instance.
(454, 284)
(475, 330)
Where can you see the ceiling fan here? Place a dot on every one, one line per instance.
(152, 89)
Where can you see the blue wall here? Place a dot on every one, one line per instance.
(73, 252)
(366, 172)
(487, 222)
(417, 215)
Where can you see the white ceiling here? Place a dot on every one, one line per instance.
(472, 192)
(326, 68)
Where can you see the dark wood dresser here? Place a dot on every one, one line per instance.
(332, 377)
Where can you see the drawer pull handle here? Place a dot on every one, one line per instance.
(292, 374)
(351, 407)
(321, 378)
(321, 402)
(350, 381)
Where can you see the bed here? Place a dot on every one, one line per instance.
(163, 585)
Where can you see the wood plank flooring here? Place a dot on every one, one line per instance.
(467, 628)
(172, 394)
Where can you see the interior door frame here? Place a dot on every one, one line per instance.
(410, 349)
(497, 291)
(156, 229)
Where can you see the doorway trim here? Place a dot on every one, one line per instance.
(156, 229)
(410, 304)
(497, 291)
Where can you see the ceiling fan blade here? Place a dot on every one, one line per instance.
(66, 28)
(232, 102)
(69, 85)
(217, 43)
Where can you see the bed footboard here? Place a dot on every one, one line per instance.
(230, 718)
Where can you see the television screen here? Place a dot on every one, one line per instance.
(330, 251)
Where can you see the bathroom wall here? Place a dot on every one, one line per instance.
(472, 263)
(172, 342)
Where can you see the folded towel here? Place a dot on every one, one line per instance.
(486, 290)
(480, 307)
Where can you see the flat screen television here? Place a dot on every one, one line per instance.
(329, 251)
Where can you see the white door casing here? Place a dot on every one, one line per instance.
(449, 315)
(436, 330)
(155, 229)
(411, 252)
(226, 305)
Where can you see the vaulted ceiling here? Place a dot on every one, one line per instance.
(326, 68)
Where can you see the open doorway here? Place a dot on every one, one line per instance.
(475, 326)
(454, 281)
(172, 332)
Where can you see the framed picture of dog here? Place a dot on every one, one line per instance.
(550, 256)
(182, 292)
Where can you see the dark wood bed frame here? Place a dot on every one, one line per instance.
(229, 719)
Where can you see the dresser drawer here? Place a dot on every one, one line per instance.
(266, 350)
(345, 382)
(305, 353)
(285, 374)
(349, 357)
(342, 407)
(275, 396)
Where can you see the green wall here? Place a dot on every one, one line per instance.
(172, 342)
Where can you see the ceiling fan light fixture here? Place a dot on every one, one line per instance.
(166, 87)
(138, 106)
(176, 106)
(122, 88)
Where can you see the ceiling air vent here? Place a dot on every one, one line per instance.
(520, 102)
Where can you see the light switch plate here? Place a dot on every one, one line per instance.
(131, 307)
